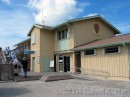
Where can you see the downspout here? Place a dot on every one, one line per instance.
(128, 57)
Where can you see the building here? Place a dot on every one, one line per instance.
(76, 46)
(20, 49)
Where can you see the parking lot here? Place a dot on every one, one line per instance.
(65, 88)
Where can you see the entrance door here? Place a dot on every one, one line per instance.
(54, 62)
(77, 62)
(33, 63)
(66, 63)
(61, 67)
(47, 64)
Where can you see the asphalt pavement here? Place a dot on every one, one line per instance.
(65, 88)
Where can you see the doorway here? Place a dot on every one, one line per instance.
(78, 62)
(66, 63)
(33, 63)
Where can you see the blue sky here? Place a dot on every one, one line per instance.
(17, 16)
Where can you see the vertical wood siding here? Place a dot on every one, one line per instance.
(115, 64)
(84, 31)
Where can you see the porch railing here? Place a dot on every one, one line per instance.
(90, 72)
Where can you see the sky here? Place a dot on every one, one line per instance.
(18, 16)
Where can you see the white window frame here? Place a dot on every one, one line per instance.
(119, 50)
(66, 36)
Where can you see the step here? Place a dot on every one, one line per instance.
(56, 78)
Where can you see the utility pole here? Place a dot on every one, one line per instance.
(43, 17)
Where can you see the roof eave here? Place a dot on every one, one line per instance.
(34, 25)
(100, 46)
(116, 30)
(90, 17)
(22, 41)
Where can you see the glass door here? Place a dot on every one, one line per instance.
(61, 64)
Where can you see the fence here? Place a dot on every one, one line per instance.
(6, 72)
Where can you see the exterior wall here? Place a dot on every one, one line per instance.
(46, 50)
(35, 47)
(84, 31)
(79, 33)
(115, 64)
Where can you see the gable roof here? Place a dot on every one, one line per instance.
(87, 18)
(75, 20)
(29, 39)
(39, 26)
(115, 40)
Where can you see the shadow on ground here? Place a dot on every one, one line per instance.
(13, 92)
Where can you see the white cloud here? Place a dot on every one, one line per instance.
(92, 14)
(14, 27)
(54, 12)
(84, 4)
(6, 1)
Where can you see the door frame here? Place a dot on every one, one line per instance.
(61, 62)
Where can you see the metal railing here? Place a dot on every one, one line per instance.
(90, 72)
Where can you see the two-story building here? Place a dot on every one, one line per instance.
(75, 47)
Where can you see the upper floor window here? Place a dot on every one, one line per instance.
(113, 49)
(62, 34)
(33, 38)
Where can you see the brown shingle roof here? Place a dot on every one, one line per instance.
(105, 42)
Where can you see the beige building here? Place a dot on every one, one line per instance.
(67, 45)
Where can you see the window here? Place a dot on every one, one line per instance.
(90, 52)
(59, 35)
(66, 33)
(114, 49)
(63, 34)
(33, 38)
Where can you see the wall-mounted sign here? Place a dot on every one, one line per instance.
(96, 28)
(51, 63)
(38, 59)
(29, 52)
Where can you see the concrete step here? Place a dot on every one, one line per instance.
(29, 78)
(55, 77)
(84, 77)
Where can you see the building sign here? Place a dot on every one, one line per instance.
(29, 52)
(51, 63)
(38, 59)
(96, 28)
